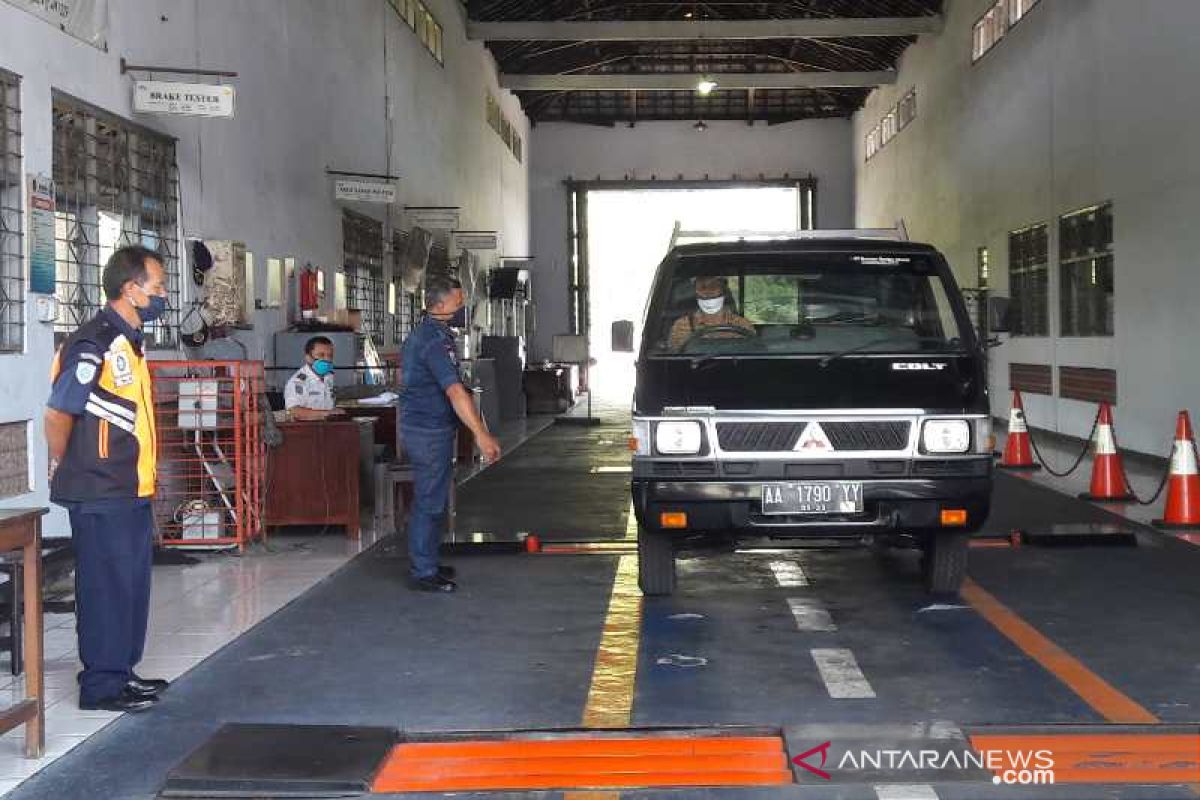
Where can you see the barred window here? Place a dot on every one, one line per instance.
(362, 257)
(1086, 271)
(403, 305)
(1029, 280)
(12, 250)
(116, 184)
(14, 459)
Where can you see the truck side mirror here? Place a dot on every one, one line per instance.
(622, 336)
(999, 315)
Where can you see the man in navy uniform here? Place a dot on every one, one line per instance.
(101, 437)
(433, 400)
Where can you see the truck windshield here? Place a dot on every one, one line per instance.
(821, 304)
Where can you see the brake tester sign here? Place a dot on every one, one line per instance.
(187, 99)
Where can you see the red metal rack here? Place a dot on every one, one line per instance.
(211, 454)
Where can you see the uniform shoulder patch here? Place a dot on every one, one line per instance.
(85, 372)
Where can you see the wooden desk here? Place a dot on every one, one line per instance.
(312, 478)
(385, 422)
(21, 529)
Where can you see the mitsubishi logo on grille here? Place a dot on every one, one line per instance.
(813, 440)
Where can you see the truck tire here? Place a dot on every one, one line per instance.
(944, 562)
(656, 563)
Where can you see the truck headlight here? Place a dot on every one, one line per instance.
(946, 436)
(677, 438)
(640, 443)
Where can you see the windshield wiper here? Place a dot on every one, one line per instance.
(824, 360)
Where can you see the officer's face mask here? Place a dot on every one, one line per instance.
(154, 309)
(322, 366)
(457, 319)
(711, 305)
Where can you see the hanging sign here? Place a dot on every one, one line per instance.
(476, 240)
(41, 234)
(364, 191)
(186, 99)
(434, 218)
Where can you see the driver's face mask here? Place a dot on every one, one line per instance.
(711, 305)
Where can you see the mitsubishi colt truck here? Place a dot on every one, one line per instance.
(809, 388)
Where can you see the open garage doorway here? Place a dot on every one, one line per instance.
(623, 231)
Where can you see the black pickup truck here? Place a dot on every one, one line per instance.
(809, 388)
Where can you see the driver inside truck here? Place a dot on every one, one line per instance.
(713, 310)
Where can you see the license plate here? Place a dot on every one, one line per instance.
(813, 497)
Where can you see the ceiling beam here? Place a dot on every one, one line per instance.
(660, 30)
(683, 82)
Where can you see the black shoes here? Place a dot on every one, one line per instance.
(446, 571)
(125, 702)
(435, 583)
(146, 687)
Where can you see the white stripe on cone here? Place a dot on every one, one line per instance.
(1106, 443)
(1183, 459)
(1016, 421)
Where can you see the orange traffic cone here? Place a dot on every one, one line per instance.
(1109, 484)
(1018, 452)
(1183, 485)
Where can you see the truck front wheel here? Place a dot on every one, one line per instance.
(944, 561)
(656, 562)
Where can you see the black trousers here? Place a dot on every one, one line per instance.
(113, 550)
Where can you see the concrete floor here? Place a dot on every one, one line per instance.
(746, 640)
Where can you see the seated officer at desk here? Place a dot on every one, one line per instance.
(309, 392)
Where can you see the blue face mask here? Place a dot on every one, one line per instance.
(322, 367)
(157, 307)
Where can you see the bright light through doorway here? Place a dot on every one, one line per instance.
(628, 235)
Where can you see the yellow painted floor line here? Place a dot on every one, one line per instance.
(610, 698)
(614, 675)
(1107, 700)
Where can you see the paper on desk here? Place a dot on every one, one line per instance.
(385, 399)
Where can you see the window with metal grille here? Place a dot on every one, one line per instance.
(1029, 280)
(14, 459)
(362, 259)
(403, 305)
(116, 184)
(12, 250)
(1086, 271)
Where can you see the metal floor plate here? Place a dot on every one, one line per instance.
(281, 761)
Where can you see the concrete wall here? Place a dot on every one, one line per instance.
(313, 77)
(1083, 101)
(669, 149)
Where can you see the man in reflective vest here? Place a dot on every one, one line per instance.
(100, 432)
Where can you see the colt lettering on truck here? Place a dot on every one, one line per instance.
(827, 385)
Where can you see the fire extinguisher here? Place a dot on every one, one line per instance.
(309, 298)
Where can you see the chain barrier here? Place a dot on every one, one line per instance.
(1162, 484)
(1083, 454)
(1087, 445)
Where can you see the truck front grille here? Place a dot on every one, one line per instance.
(845, 436)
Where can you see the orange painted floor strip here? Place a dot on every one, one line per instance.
(1144, 758)
(1108, 701)
(584, 763)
